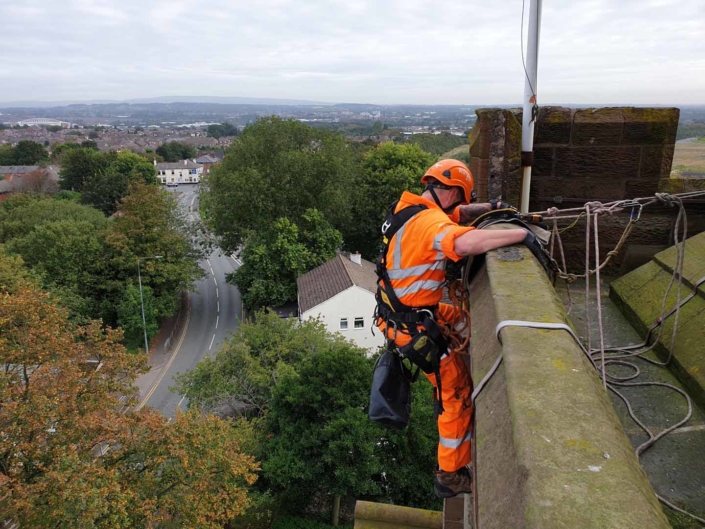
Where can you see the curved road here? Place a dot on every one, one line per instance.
(215, 312)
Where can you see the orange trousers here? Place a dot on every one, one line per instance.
(455, 423)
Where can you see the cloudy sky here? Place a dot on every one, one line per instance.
(384, 51)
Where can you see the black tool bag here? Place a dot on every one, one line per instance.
(390, 397)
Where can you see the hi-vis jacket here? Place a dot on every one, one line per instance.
(417, 254)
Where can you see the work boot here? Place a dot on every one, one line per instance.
(449, 484)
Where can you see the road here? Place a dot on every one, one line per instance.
(215, 310)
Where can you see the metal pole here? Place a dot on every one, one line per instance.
(144, 322)
(530, 103)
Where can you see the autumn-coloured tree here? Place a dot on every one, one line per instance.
(70, 456)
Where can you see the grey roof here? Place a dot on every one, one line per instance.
(17, 169)
(332, 278)
(207, 159)
(178, 165)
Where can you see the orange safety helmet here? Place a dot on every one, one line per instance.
(452, 173)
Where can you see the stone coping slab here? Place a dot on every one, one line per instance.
(550, 450)
(371, 515)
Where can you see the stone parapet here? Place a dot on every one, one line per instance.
(550, 451)
(639, 295)
(370, 515)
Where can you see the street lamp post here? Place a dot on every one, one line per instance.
(144, 321)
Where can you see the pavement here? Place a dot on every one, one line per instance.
(674, 465)
(209, 316)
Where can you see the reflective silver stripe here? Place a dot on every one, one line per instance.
(397, 244)
(429, 284)
(437, 240)
(454, 443)
(440, 255)
(414, 271)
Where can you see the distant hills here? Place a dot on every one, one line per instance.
(224, 100)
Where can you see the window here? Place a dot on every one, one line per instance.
(343, 324)
(359, 323)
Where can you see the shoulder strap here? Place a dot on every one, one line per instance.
(392, 224)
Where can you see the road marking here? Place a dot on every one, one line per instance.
(168, 364)
(218, 302)
(214, 281)
(211, 345)
(209, 262)
(216, 293)
(217, 318)
(182, 399)
(212, 272)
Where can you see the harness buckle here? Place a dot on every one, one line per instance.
(387, 224)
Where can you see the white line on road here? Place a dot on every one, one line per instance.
(209, 262)
(214, 281)
(216, 293)
(218, 302)
(179, 404)
(217, 318)
(212, 272)
(211, 345)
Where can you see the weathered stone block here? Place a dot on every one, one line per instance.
(641, 188)
(543, 161)
(650, 126)
(656, 162)
(479, 138)
(612, 162)
(597, 126)
(602, 189)
(553, 126)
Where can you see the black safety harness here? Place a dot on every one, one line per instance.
(427, 341)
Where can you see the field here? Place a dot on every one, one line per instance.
(689, 159)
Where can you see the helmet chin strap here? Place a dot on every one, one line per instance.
(448, 209)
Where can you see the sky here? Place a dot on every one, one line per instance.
(353, 51)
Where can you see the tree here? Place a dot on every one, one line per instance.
(38, 182)
(68, 455)
(279, 168)
(105, 188)
(438, 143)
(129, 315)
(93, 135)
(387, 171)
(59, 150)
(89, 144)
(148, 224)
(273, 259)
(241, 376)
(175, 151)
(81, 164)
(319, 438)
(28, 152)
(7, 155)
(224, 129)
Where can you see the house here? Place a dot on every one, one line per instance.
(341, 292)
(183, 172)
(207, 161)
(28, 178)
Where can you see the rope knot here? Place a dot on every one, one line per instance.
(667, 199)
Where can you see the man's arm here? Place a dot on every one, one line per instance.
(470, 212)
(476, 242)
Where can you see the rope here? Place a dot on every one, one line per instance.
(616, 355)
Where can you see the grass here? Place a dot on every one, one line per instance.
(689, 158)
(681, 521)
(462, 152)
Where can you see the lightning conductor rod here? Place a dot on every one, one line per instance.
(530, 103)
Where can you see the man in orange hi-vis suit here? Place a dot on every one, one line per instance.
(420, 234)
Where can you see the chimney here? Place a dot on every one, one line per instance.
(155, 162)
(356, 258)
(185, 162)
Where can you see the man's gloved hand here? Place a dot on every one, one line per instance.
(534, 245)
(501, 204)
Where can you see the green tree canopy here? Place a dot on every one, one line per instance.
(104, 189)
(319, 438)
(224, 129)
(30, 153)
(273, 259)
(387, 171)
(438, 144)
(279, 168)
(175, 151)
(79, 165)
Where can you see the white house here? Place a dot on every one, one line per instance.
(342, 293)
(183, 172)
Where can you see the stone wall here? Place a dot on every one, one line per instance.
(550, 451)
(583, 155)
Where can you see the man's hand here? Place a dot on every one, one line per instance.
(534, 245)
